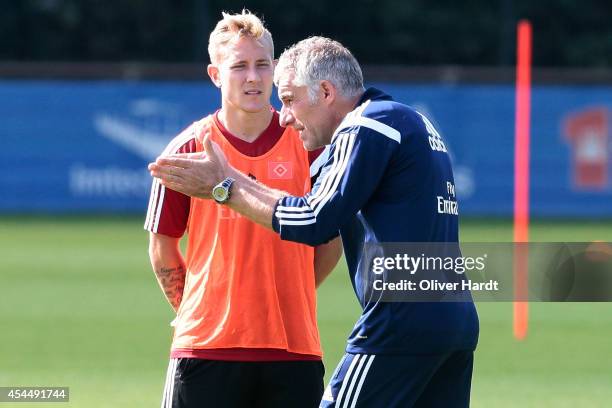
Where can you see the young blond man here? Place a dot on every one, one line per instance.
(245, 333)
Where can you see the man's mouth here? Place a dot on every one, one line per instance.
(253, 92)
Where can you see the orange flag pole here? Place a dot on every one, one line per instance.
(521, 177)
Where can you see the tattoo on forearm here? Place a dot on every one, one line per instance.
(172, 281)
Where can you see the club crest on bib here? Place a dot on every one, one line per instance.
(278, 170)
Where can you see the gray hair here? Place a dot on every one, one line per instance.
(318, 58)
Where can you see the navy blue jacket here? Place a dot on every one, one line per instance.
(386, 180)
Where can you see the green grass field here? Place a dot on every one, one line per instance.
(79, 307)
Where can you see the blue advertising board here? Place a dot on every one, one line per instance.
(83, 146)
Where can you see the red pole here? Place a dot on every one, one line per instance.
(521, 177)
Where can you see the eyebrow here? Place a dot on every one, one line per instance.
(243, 61)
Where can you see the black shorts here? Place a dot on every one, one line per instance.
(400, 381)
(197, 383)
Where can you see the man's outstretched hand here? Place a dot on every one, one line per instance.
(193, 174)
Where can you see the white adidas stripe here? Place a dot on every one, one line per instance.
(163, 401)
(353, 382)
(171, 394)
(428, 125)
(380, 127)
(293, 215)
(344, 143)
(304, 222)
(283, 212)
(326, 181)
(306, 211)
(282, 208)
(320, 161)
(156, 201)
(160, 205)
(335, 173)
(319, 206)
(148, 219)
(153, 204)
(355, 118)
(169, 386)
(362, 380)
(348, 118)
(346, 379)
(327, 188)
(360, 109)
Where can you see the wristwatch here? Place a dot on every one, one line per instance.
(221, 192)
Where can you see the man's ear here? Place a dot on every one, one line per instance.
(329, 91)
(213, 73)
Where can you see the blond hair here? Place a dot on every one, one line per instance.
(244, 24)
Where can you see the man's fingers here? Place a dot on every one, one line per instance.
(167, 172)
(162, 169)
(181, 185)
(171, 161)
(181, 188)
(171, 181)
(180, 160)
(192, 156)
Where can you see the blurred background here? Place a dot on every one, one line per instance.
(91, 91)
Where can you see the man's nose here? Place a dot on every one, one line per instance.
(286, 117)
(253, 75)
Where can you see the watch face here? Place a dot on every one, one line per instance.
(219, 193)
